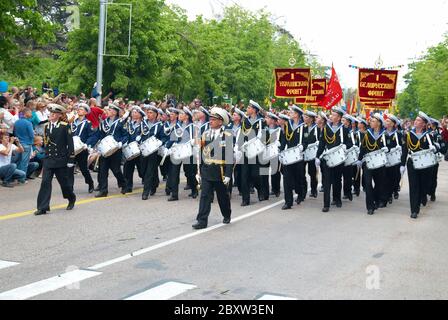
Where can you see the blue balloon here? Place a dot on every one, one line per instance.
(3, 86)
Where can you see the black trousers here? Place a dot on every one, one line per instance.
(433, 181)
(222, 194)
(356, 178)
(150, 166)
(164, 167)
(312, 173)
(62, 175)
(347, 174)
(275, 180)
(375, 194)
(173, 181)
(114, 164)
(264, 180)
(332, 181)
(293, 179)
(393, 177)
(250, 175)
(81, 160)
(190, 171)
(128, 168)
(418, 186)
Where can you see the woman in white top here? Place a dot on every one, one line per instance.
(42, 114)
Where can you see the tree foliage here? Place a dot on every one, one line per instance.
(427, 81)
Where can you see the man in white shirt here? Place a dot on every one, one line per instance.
(8, 170)
(8, 119)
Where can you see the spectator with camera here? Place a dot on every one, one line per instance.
(8, 170)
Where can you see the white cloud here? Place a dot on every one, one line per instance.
(351, 31)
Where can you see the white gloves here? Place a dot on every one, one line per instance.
(358, 164)
(301, 148)
(402, 170)
(226, 181)
(277, 143)
(317, 162)
(385, 149)
(90, 150)
(192, 142)
(120, 145)
(198, 178)
(433, 149)
(70, 165)
(437, 145)
(138, 138)
(344, 147)
(167, 152)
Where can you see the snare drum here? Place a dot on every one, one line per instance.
(311, 151)
(375, 160)
(150, 146)
(78, 145)
(394, 157)
(181, 151)
(270, 152)
(335, 156)
(291, 156)
(108, 146)
(424, 159)
(352, 156)
(131, 151)
(253, 148)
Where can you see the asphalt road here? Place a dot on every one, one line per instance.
(122, 247)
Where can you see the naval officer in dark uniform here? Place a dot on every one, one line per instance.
(60, 156)
(216, 168)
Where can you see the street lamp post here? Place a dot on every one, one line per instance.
(99, 68)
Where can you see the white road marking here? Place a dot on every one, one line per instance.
(48, 285)
(165, 291)
(175, 240)
(7, 264)
(274, 297)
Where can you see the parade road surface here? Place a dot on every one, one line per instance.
(121, 247)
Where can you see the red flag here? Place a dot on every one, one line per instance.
(334, 92)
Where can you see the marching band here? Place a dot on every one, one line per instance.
(219, 151)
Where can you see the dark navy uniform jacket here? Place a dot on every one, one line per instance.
(83, 129)
(58, 141)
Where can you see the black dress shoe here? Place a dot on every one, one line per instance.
(97, 189)
(396, 195)
(298, 200)
(414, 215)
(339, 205)
(357, 192)
(286, 207)
(172, 198)
(333, 203)
(153, 192)
(101, 195)
(40, 212)
(326, 209)
(313, 194)
(193, 195)
(370, 212)
(277, 194)
(71, 204)
(382, 205)
(167, 192)
(424, 201)
(199, 226)
(390, 200)
(345, 197)
(226, 220)
(350, 197)
(433, 198)
(145, 196)
(91, 188)
(245, 204)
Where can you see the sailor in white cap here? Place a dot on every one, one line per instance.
(216, 168)
(191, 135)
(294, 174)
(394, 140)
(334, 135)
(59, 158)
(442, 146)
(112, 126)
(311, 134)
(416, 140)
(235, 127)
(151, 127)
(82, 130)
(275, 133)
(133, 127)
(349, 171)
(253, 127)
(374, 141)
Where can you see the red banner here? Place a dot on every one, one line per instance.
(334, 92)
(291, 83)
(377, 84)
(318, 90)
